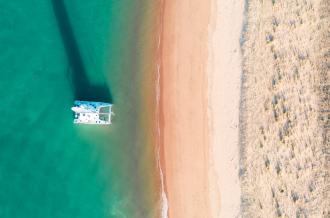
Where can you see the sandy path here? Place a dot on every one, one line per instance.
(225, 78)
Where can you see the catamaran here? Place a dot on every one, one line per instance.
(90, 112)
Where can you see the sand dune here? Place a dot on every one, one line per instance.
(285, 110)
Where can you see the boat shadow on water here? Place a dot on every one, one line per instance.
(82, 87)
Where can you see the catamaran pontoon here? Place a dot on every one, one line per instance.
(89, 112)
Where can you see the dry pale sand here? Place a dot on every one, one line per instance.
(224, 90)
(184, 124)
(285, 112)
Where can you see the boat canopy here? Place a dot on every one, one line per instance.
(90, 112)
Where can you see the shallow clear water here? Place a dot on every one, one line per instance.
(53, 52)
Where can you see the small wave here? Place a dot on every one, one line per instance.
(164, 201)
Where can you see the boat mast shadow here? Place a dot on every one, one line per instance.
(82, 88)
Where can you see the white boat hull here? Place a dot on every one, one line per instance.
(94, 113)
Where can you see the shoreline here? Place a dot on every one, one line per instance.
(160, 119)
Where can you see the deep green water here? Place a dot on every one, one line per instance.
(52, 52)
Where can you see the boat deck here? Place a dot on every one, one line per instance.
(87, 112)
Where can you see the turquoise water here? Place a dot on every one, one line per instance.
(53, 52)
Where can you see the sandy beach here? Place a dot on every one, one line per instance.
(245, 108)
(200, 89)
(183, 107)
(185, 141)
(224, 98)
